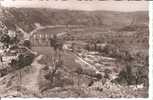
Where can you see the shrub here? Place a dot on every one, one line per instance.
(23, 59)
(4, 38)
(27, 44)
(133, 75)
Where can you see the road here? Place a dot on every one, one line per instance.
(30, 81)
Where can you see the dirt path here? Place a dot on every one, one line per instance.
(30, 81)
(27, 81)
(85, 63)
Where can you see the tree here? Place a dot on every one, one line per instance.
(133, 74)
(53, 41)
(88, 46)
(56, 64)
(23, 59)
(27, 44)
(4, 38)
(107, 72)
(129, 77)
(73, 47)
(14, 40)
(94, 42)
(56, 43)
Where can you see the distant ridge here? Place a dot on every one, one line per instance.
(26, 17)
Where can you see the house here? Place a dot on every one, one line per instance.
(8, 58)
(12, 33)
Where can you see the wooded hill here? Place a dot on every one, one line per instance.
(26, 17)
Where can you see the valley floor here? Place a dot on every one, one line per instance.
(28, 82)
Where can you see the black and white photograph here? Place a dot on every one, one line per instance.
(74, 49)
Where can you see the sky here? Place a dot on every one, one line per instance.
(80, 5)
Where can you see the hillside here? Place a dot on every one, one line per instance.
(26, 17)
